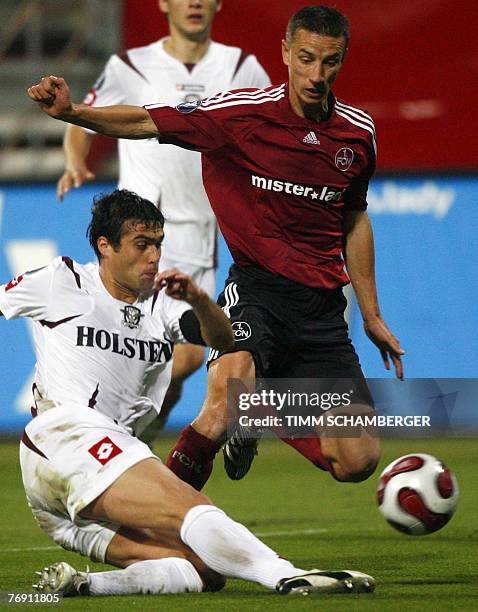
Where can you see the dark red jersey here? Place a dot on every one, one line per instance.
(278, 183)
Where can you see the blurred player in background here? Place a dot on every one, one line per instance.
(287, 172)
(183, 67)
(104, 335)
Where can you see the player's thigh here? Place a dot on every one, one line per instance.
(147, 495)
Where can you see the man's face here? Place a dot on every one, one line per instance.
(134, 264)
(192, 18)
(314, 62)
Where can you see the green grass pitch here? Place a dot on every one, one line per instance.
(306, 516)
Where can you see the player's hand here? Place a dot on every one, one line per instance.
(389, 346)
(52, 95)
(73, 176)
(179, 286)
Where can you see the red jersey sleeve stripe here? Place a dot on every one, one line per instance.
(362, 125)
(236, 101)
(237, 94)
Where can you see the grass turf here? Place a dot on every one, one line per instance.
(307, 517)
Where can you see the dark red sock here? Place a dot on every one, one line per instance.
(311, 449)
(192, 457)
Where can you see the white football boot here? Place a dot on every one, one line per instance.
(62, 578)
(317, 581)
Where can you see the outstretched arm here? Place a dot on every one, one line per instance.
(360, 260)
(53, 96)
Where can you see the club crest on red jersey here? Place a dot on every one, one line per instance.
(14, 282)
(104, 450)
(344, 158)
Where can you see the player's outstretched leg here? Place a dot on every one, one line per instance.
(232, 550)
(167, 576)
(149, 494)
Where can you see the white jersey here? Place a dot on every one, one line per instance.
(94, 351)
(166, 174)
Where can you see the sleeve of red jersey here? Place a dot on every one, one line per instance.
(27, 295)
(198, 126)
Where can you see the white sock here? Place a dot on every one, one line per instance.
(231, 549)
(170, 575)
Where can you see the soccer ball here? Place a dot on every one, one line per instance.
(417, 494)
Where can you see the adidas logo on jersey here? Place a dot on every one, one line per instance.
(311, 138)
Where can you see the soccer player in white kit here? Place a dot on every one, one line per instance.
(184, 67)
(104, 336)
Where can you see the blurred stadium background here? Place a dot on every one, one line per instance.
(414, 66)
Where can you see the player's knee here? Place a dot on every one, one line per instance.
(356, 467)
(361, 472)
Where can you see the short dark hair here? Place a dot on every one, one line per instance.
(111, 211)
(323, 20)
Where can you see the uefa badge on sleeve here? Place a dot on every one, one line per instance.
(188, 107)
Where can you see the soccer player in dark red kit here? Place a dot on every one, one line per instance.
(286, 170)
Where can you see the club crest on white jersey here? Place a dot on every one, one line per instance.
(132, 316)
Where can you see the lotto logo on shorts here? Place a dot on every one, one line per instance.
(104, 450)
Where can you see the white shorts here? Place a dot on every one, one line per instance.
(68, 457)
(203, 277)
